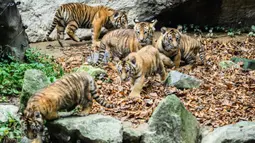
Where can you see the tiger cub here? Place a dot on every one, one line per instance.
(175, 47)
(144, 31)
(121, 42)
(138, 66)
(72, 16)
(66, 93)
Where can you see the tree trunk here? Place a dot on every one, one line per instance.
(13, 38)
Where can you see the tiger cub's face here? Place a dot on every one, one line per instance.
(32, 124)
(144, 31)
(170, 38)
(126, 69)
(119, 19)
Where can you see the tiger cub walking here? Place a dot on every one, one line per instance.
(121, 42)
(66, 93)
(139, 65)
(72, 16)
(175, 46)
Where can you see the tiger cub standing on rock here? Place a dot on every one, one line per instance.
(175, 47)
(72, 16)
(66, 93)
(120, 42)
(138, 66)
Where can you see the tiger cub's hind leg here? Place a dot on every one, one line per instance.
(70, 30)
(166, 60)
(86, 108)
(60, 34)
(177, 59)
(86, 103)
(162, 71)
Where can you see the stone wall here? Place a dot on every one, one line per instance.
(38, 15)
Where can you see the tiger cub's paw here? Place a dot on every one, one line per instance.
(134, 95)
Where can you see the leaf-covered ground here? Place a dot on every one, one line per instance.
(225, 97)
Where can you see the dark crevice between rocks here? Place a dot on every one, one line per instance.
(59, 134)
(226, 13)
(198, 12)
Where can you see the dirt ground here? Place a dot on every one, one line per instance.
(56, 52)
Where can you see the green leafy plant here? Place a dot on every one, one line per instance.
(10, 129)
(12, 72)
(3, 99)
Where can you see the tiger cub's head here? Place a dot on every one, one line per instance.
(128, 67)
(119, 19)
(32, 123)
(170, 38)
(144, 31)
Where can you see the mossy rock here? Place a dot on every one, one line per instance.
(172, 123)
(34, 80)
(247, 63)
(93, 71)
(228, 64)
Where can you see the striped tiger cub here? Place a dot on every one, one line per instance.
(76, 89)
(72, 16)
(174, 47)
(144, 31)
(138, 66)
(119, 43)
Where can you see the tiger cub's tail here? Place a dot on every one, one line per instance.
(101, 101)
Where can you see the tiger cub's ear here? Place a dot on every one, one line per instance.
(179, 28)
(154, 22)
(136, 20)
(37, 114)
(163, 30)
(116, 14)
(133, 60)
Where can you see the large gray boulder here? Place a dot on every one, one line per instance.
(242, 132)
(182, 81)
(92, 129)
(33, 81)
(14, 40)
(38, 15)
(133, 135)
(172, 123)
(95, 72)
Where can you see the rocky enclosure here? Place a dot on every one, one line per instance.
(38, 15)
(13, 39)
